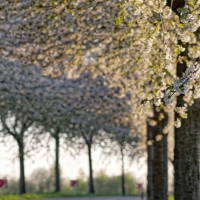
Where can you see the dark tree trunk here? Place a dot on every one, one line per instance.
(122, 176)
(150, 149)
(22, 184)
(179, 155)
(186, 150)
(160, 166)
(91, 182)
(186, 158)
(186, 164)
(158, 169)
(57, 170)
(192, 159)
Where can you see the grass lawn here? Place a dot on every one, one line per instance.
(31, 196)
(171, 198)
(19, 197)
(38, 196)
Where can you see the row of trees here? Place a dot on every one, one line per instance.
(81, 112)
(139, 47)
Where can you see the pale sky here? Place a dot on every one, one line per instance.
(69, 165)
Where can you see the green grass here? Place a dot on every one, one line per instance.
(19, 197)
(171, 197)
(39, 196)
(32, 196)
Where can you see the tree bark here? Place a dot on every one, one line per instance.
(160, 167)
(186, 164)
(157, 160)
(179, 154)
(193, 130)
(22, 184)
(150, 150)
(186, 158)
(91, 181)
(122, 176)
(57, 170)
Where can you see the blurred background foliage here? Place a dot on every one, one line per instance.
(42, 181)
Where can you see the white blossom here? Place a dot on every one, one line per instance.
(177, 123)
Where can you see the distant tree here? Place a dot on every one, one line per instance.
(123, 142)
(27, 92)
(55, 133)
(111, 185)
(25, 133)
(98, 107)
(55, 129)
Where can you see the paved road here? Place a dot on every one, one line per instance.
(96, 198)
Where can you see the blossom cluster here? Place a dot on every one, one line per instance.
(120, 40)
(61, 102)
(181, 84)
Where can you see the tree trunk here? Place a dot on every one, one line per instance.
(160, 166)
(122, 176)
(150, 150)
(186, 158)
(179, 152)
(157, 160)
(186, 164)
(22, 185)
(91, 182)
(193, 129)
(57, 170)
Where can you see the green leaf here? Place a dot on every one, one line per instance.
(169, 86)
(144, 101)
(118, 21)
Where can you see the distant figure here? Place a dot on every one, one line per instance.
(141, 190)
